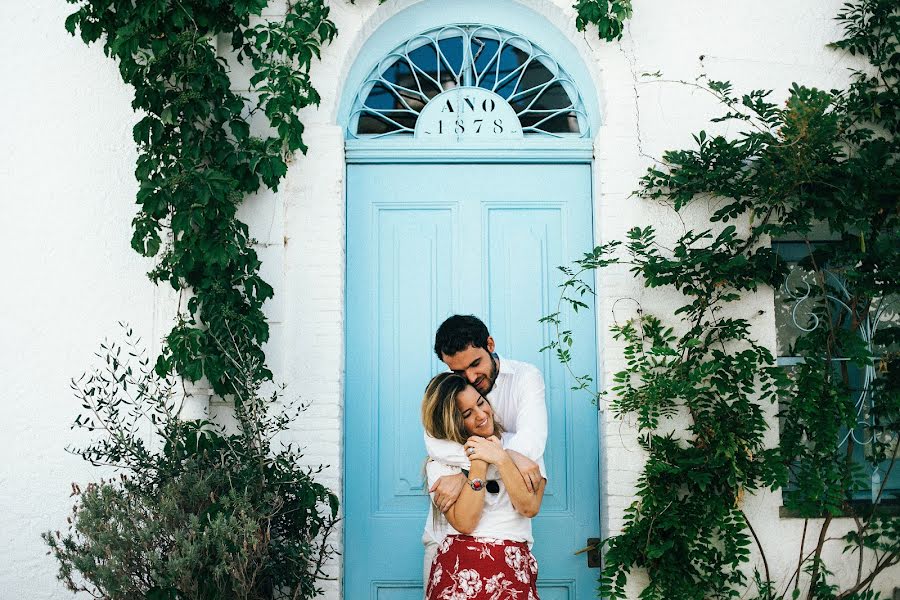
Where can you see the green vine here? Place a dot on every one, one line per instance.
(199, 158)
(608, 15)
(823, 160)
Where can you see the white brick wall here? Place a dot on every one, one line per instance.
(66, 159)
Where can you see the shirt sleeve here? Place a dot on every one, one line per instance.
(447, 452)
(434, 470)
(530, 435)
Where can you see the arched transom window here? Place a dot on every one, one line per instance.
(468, 81)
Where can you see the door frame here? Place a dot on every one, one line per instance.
(513, 16)
(375, 159)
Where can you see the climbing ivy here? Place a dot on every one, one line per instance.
(822, 161)
(203, 147)
(608, 15)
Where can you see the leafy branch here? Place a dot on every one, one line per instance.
(608, 15)
(199, 157)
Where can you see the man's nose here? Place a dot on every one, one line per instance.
(471, 376)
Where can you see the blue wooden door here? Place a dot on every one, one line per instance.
(425, 241)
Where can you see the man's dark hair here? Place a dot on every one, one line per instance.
(458, 333)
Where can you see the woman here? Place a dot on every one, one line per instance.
(485, 554)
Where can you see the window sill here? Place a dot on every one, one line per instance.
(859, 508)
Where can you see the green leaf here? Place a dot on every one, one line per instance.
(240, 129)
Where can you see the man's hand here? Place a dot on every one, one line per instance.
(447, 489)
(529, 469)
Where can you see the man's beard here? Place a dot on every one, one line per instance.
(492, 377)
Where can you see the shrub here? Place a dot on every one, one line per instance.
(194, 511)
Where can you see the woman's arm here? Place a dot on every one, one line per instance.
(489, 450)
(466, 511)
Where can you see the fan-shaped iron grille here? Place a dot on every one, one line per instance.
(542, 95)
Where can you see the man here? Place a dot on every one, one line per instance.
(516, 393)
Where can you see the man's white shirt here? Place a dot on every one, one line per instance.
(518, 402)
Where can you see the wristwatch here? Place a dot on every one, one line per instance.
(476, 484)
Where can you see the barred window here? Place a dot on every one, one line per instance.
(811, 299)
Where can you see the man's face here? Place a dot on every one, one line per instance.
(477, 365)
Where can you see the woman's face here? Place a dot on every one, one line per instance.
(478, 416)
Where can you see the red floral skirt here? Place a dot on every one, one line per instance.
(475, 568)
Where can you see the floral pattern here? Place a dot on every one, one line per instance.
(473, 568)
(436, 574)
(445, 543)
(516, 560)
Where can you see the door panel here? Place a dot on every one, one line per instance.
(425, 242)
(404, 232)
(523, 241)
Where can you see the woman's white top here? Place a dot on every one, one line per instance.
(499, 518)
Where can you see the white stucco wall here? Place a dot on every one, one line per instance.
(66, 161)
(67, 195)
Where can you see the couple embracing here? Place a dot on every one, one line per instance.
(485, 427)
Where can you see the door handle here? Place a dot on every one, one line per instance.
(593, 553)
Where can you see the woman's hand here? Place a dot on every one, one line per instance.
(487, 449)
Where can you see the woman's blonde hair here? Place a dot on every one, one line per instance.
(440, 417)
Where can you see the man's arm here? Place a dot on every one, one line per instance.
(525, 500)
(447, 452)
(532, 472)
(526, 444)
(447, 488)
(530, 436)
(445, 484)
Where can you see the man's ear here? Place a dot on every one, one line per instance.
(490, 344)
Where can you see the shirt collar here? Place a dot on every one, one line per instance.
(506, 372)
(506, 367)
